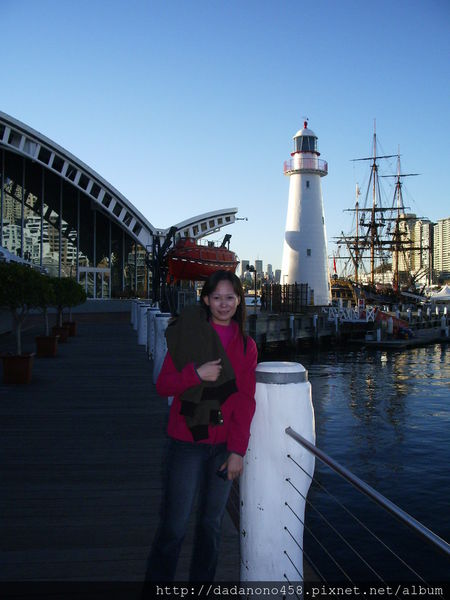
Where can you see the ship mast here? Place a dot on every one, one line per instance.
(357, 235)
(398, 244)
(374, 236)
(374, 225)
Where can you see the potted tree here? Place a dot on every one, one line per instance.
(68, 293)
(18, 294)
(76, 296)
(46, 345)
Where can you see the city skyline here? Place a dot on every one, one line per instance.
(182, 117)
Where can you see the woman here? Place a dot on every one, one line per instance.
(210, 370)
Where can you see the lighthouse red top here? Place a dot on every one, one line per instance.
(305, 140)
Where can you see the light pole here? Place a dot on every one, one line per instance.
(251, 269)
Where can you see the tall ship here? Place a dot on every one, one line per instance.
(388, 251)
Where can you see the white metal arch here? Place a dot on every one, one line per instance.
(25, 141)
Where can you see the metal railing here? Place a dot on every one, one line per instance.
(286, 298)
(301, 163)
(423, 533)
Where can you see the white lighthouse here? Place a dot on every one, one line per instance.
(305, 244)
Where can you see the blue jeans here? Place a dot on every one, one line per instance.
(191, 468)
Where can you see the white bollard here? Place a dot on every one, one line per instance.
(390, 326)
(161, 322)
(142, 329)
(134, 304)
(150, 346)
(141, 316)
(444, 328)
(151, 334)
(292, 327)
(138, 316)
(268, 500)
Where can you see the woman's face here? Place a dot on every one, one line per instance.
(222, 303)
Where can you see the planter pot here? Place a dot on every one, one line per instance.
(17, 368)
(46, 346)
(63, 333)
(72, 325)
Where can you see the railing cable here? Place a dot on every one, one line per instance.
(313, 565)
(362, 559)
(369, 491)
(399, 558)
(328, 554)
(318, 541)
(292, 563)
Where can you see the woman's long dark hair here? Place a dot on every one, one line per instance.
(211, 284)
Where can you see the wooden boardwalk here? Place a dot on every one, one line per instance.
(81, 452)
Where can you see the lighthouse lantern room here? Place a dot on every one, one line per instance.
(305, 244)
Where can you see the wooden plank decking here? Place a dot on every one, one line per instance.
(81, 450)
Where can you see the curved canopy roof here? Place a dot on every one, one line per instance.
(23, 140)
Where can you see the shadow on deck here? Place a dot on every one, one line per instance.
(81, 450)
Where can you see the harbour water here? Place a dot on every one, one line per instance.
(385, 416)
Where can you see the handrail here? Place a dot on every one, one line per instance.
(302, 163)
(365, 488)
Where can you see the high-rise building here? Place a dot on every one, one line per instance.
(259, 267)
(422, 255)
(244, 266)
(269, 272)
(415, 253)
(441, 247)
(277, 276)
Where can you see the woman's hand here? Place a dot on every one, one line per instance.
(210, 371)
(234, 465)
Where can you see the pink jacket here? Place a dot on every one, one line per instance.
(237, 410)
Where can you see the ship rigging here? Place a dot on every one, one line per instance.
(382, 241)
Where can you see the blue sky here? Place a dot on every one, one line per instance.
(190, 106)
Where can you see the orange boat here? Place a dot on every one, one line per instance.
(191, 261)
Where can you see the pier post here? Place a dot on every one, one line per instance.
(390, 327)
(161, 322)
(139, 312)
(444, 328)
(316, 326)
(292, 328)
(151, 313)
(251, 320)
(272, 510)
(133, 317)
(142, 329)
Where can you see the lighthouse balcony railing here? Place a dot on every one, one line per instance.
(301, 163)
(359, 551)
